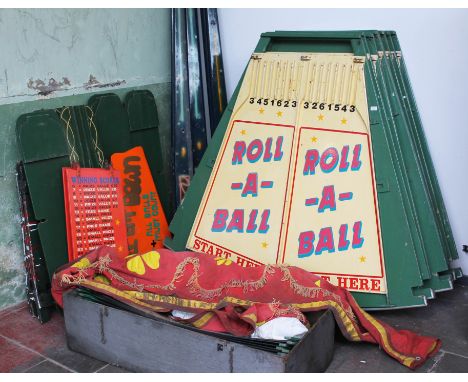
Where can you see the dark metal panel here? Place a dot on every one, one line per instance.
(214, 68)
(144, 344)
(181, 143)
(196, 96)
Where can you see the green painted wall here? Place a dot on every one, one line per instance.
(73, 51)
(52, 58)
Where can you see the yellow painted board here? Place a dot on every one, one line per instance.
(293, 181)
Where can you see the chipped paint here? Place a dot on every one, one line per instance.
(51, 86)
(53, 51)
(93, 83)
(6, 80)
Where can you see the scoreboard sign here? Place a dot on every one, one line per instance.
(294, 180)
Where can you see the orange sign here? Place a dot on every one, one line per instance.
(145, 219)
(93, 209)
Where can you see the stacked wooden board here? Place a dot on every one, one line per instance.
(87, 135)
(385, 235)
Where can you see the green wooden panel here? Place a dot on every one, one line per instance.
(426, 211)
(85, 133)
(111, 121)
(377, 79)
(414, 235)
(432, 235)
(11, 256)
(144, 131)
(44, 177)
(49, 140)
(423, 149)
(134, 122)
(390, 123)
(400, 238)
(45, 141)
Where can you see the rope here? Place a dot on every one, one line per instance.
(74, 158)
(92, 125)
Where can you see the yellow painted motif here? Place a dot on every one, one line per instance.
(137, 263)
(223, 261)
(83, 263)
(152, 259)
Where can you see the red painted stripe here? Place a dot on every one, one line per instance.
(311, 202)
(266, 183)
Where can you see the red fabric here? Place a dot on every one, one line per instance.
(230, 298)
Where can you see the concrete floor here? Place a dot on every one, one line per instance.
(445, 317)
(28, 346)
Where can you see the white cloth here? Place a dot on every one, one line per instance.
(280, 328)
(182, 314)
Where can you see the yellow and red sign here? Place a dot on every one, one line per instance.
(145, 219)
(294, 180)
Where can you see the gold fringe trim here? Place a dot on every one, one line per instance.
(194, 286)
(312, 292)
(102, 264)
(280, 310)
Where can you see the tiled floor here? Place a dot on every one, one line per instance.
(28, 346)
